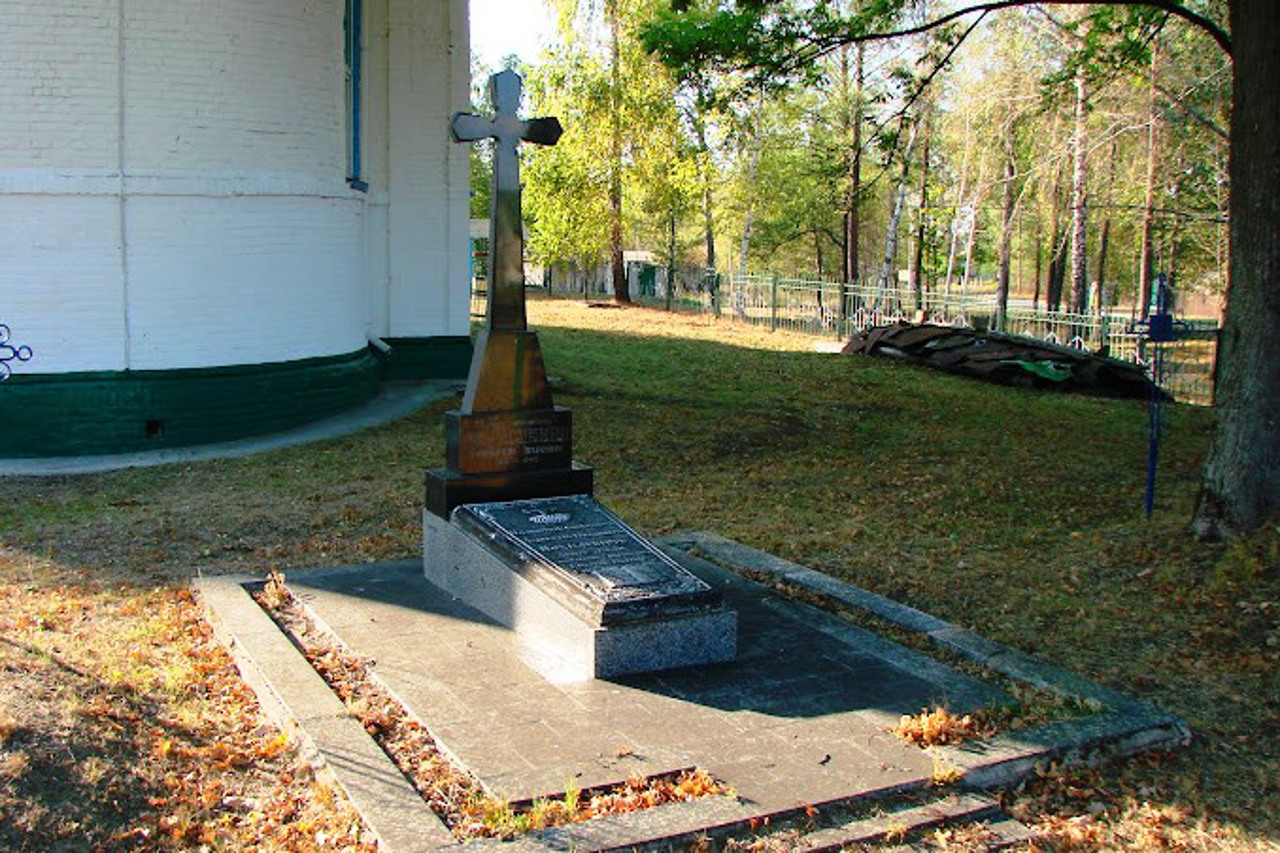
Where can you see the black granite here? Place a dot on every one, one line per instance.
(518, 440)
(587, 558)
(446, 489)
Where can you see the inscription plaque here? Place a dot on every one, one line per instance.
(517, 440)
(586, 557)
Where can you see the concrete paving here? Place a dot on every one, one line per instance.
(394, 401)
(798, 719)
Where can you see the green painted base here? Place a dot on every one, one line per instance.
(426, 358)
(83, 414)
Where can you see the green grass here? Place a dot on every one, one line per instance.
(1015, 513)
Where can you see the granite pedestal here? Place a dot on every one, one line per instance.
(586, 596)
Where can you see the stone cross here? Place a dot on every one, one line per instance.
(506, 241)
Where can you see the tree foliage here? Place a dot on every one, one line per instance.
(776, 38)
(567, 197)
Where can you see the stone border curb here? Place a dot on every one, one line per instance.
(297, 699)
(1129, 725)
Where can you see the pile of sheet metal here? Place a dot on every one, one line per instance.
(1007, 359)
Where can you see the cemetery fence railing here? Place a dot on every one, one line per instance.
(838, 310)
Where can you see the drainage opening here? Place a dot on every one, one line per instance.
(154, 429)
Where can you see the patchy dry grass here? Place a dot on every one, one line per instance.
(1012, 513)
(125, 724)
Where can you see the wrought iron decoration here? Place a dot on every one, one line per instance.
(8, 353)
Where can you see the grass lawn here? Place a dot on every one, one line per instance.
(1016, 514)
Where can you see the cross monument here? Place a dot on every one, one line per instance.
(506, 241)
(507, 441)
(509, 524)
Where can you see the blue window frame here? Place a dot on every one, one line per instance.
(352, 17)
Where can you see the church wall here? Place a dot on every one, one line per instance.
(242, 235)
(376, 118)
(237, 88)
(59, 91)
(60, 268)
(173, 197)
(259, 294)
(429, 81)
(204, 141)
(60, 260)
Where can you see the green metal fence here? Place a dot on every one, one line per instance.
(835, 310)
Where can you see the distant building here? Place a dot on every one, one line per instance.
(210, 208)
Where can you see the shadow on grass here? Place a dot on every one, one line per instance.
(79, 766)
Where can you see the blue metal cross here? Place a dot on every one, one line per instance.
(9, 353)
(1158, 328)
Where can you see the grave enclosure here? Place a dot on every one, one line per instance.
(510, 526)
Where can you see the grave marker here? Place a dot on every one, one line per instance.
(507, 440)
(509, 525)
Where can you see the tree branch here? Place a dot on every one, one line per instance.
(901, 114)
(1213, 30)
(1192, 112)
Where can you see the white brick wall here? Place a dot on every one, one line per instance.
(426, 166)
(213, 285)
(234, 87)
(59, 84)
(241, 242)
(60, 280)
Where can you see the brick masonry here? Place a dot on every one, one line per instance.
(173, 182)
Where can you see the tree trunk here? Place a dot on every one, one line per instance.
(917, 261)
(621, 292)
(973, 230)
(1241, 486)
(968, 255)
(671, 259)
(846, 138)
(1006, 229)
(708, 220)
(853, 194)
(889, 276)
(1058, 249)
(960, 197)
(704, 174)
(1104, 237)
(1146, 255)
(1057, 271)
(1079, 204)
(1035, 297)
(753, 165)
(853, 120)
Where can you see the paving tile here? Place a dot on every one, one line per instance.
(395, 811)
(429, 698)
(800, 691)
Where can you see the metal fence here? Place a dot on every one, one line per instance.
(835, 310)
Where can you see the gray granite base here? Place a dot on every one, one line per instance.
(556, 642)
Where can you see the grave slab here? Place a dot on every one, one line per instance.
(587, 595)
(799, 716)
